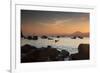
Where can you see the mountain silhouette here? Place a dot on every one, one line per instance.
(78, 33)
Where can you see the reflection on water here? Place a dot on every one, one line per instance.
(66, 43)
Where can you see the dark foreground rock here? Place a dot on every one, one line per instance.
(83, 54)
(33, 54)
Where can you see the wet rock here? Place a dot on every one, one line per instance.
(44, 37)
(74, 37)
(29, 38)
(83, 54)
(33, 54)
(65, 53)
(80, 37)
(48, 55)
(56, 41)
(28, 53)
(27, 48)
(58, 36)
(50, 39)
(35, 38)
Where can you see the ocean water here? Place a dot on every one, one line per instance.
(66, 43)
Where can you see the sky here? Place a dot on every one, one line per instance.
(53, 22)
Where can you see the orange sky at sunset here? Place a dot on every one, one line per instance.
(57, 24)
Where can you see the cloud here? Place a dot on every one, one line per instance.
(43, 18)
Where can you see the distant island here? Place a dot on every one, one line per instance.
(77, 33)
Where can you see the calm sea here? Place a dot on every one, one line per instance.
(65, 43)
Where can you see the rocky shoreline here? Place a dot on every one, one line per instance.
(33, 54)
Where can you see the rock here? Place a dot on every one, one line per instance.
(28, 53)
(50, 39)
(56, 41)
(30, 57)
(44, 37)
(48, 55)
(60, 57)
(35, 38)
(80, 37)
(48, 47)
(22, 35)
(74, 37)
(27, 48)
(65, 53)
(83, 53)
(33, 54)
(29, 38)
(84, 49)
(58, 36)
